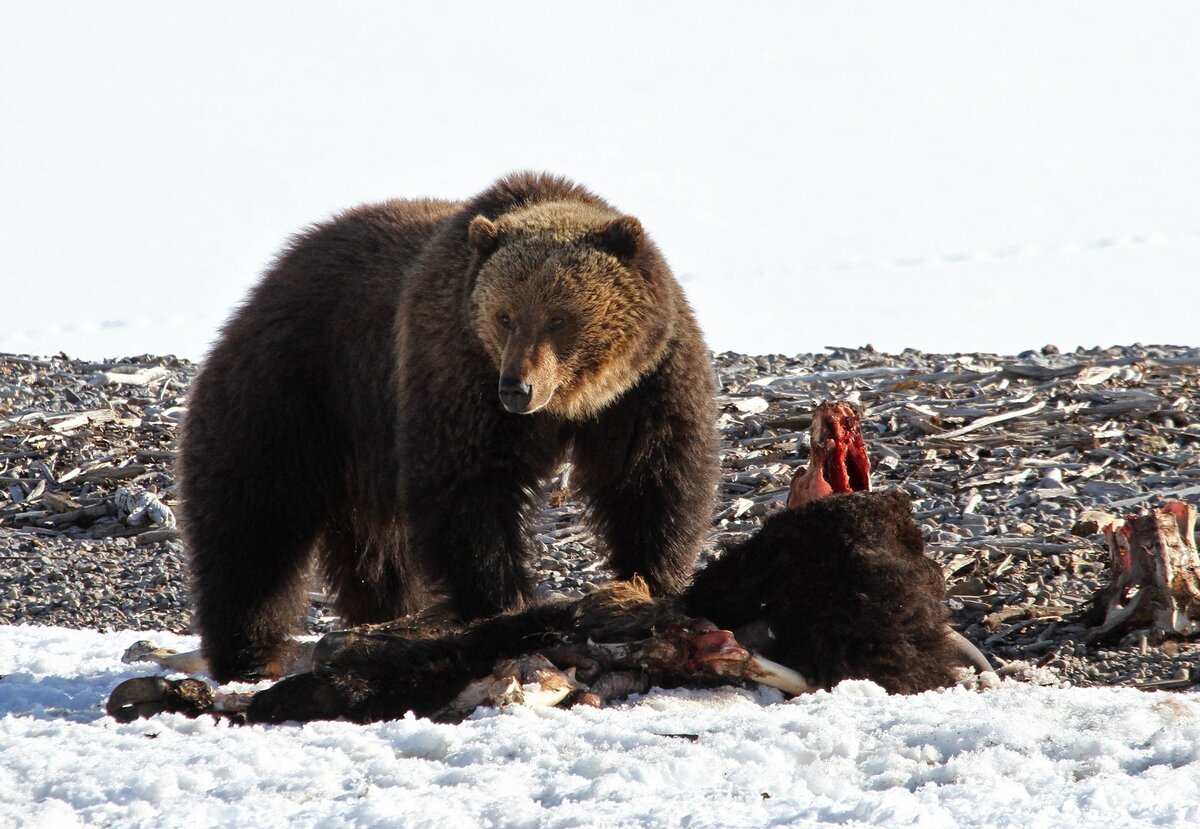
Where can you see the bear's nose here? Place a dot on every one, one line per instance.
(515, 394)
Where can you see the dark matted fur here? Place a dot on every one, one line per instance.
(350, 410)
(842, 581)
(853, 598)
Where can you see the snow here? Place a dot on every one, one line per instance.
(1021, 756)
(958, 178)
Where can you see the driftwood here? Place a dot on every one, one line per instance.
(1155, 574)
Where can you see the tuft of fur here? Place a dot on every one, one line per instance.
(349, 413)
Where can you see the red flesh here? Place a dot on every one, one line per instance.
(717, 646)
(839, 462)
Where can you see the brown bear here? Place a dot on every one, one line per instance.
(837, 586)
(390, 394)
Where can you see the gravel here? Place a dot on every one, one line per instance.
(1013, 464)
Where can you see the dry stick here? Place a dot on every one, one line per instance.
(140, 377)
(990, 419)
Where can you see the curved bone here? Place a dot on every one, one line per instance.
(764, 671)
(970, 655)
(188, 662)
(297, 658)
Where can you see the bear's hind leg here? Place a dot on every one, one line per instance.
(248, 578)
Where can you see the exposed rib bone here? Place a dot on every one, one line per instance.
(839, 461)
(531, 681)
(1155, 573)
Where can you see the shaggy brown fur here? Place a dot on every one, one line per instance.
(853, 598)
(842, 582)
(353, 409)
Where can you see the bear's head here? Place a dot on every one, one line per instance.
(572, 302)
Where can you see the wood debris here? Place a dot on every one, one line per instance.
(1101, 431)
(86, 448)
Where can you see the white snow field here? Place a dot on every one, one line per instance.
(952, 177)
(1019, 756)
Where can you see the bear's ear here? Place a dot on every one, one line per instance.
(622, 237)
(484, 235)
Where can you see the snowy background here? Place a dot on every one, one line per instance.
(946, 176)
(950, 177)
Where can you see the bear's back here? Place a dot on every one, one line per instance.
(312, 343)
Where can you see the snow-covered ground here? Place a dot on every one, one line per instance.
(1020, 756)
(948, 176)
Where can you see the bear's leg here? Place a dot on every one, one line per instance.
(648, 470)
(652, 515)
(469, 535)
(248, 577)
(649, 526)
(371, 576)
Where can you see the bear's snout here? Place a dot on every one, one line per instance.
(515, 394)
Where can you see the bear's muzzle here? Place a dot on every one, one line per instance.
(515, 394)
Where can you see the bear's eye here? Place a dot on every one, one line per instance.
(505, 321)
(556, 323)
